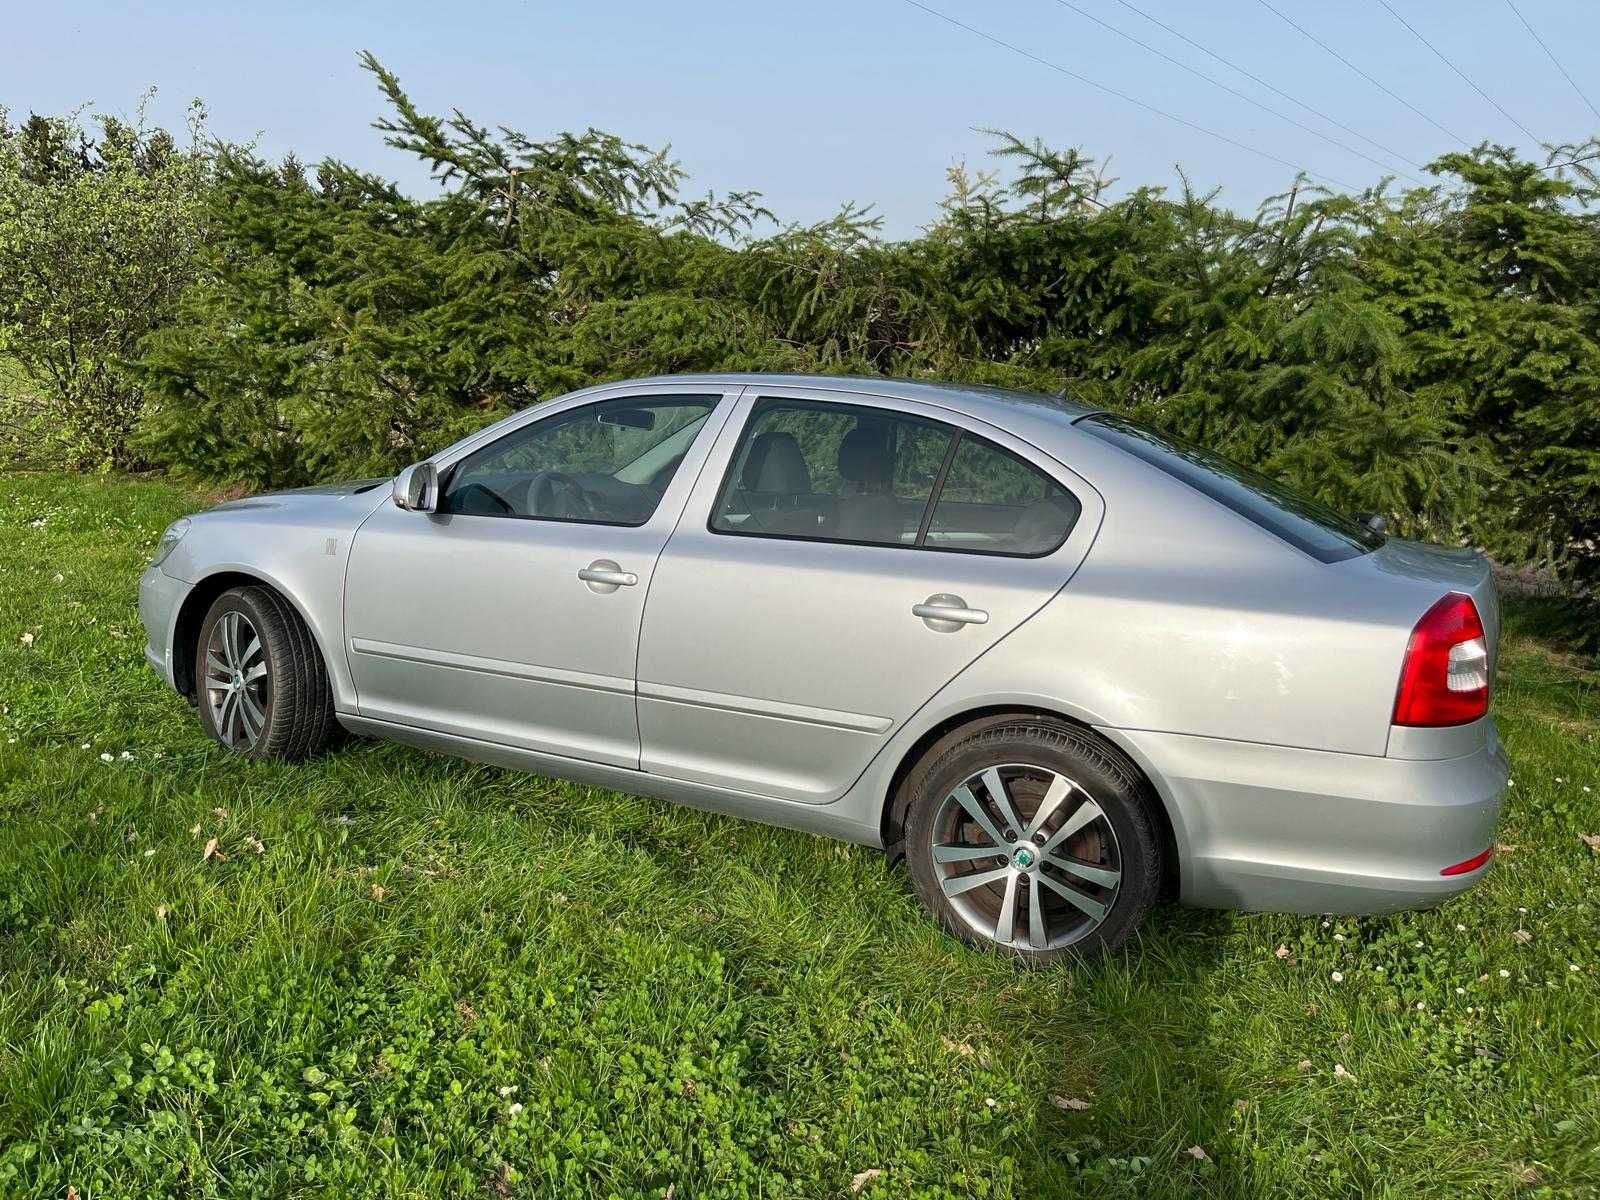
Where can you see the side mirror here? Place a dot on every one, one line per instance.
(417, 488)
(1373, 521)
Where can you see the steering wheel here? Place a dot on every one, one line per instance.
(553, 494)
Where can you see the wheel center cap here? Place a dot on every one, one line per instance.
(1024, 858)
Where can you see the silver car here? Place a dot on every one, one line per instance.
(1061, 663)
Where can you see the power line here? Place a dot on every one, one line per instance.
(1382, 166)
(1044, 62)
(1469, 81)
(1263, 83)
(1304, 32)
(1571, 162)
(1553, 58)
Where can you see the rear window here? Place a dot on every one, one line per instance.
(1322, 532)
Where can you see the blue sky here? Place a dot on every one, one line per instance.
(834, 100)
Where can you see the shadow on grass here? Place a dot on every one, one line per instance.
(1565, 623)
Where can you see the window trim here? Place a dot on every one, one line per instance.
(762, 404)
(713, 400)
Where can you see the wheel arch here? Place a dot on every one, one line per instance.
(897, 798)
(197, 602)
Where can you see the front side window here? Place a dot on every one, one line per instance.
(842, 473)
(606, 463)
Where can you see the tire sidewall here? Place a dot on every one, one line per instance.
(1069, 752)
(265, 624)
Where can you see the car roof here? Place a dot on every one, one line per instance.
(992, 404)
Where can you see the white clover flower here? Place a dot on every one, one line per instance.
(1337, 976)
(1504, 974)
(1460, 928)
(107, 758)
(514, 1109)
(26, 639)
(1461, 991)
(1574, 967)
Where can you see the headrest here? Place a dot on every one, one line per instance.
(863, 457)
(775, 464)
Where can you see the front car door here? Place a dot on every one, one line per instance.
(842, 558)
(512, 614)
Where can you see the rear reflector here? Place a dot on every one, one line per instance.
(1471, 864)
(1445, 677)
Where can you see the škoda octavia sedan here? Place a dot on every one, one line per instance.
(1063, 664)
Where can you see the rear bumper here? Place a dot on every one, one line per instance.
(1290, 830)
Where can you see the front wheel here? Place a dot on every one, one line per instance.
(1032, 836)
(260, 680)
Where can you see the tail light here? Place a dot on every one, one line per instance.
(1445, 679)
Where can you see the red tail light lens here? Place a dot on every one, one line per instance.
(1445, 679)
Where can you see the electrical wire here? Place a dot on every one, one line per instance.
(1248, 99)
(1306, 33)
(1111, 91)
(1557, 62)
(1467, 78)
(1250, 75)
(1571, 162)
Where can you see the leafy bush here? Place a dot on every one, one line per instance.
(97, 237)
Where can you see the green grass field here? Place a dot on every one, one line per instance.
(402, 975)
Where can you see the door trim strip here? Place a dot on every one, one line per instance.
(776, 709)
(492, 666)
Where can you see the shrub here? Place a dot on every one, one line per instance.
(98, 230)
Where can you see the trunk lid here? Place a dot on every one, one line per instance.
(1440, 569)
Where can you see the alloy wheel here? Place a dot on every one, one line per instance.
(1026, 857)
(238, 687)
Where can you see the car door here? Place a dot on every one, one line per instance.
(511, 614)
(842, 557)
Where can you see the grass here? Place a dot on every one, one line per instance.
(402, 975)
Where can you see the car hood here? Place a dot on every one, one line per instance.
(300, 497)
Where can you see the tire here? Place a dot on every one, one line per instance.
(260, 680)
(1113, 857)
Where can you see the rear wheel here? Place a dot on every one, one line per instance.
(1031, 836)
(261, 683)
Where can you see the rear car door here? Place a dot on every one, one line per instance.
(512, 614)
(842, 557)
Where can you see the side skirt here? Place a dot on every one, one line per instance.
(820, 819)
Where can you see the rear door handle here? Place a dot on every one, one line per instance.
(946, 613)
(603, 575)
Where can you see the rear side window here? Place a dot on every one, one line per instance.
(842, 473)
(1322, 532)
(994, 503)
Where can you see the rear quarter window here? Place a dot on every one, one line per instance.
(1322, 532)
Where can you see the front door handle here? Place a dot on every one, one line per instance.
(945, 613)
(603, 575)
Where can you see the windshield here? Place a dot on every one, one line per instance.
(1320, 531)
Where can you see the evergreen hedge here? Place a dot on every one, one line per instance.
(1432, 354)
